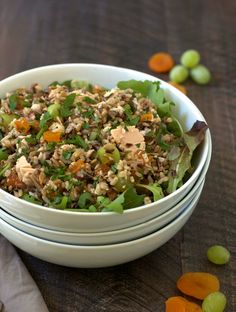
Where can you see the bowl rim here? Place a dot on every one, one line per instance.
(196, 173)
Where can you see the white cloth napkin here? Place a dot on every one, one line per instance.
(18, 291)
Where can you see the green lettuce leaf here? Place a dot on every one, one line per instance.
(175, 127)
(179, 166)
(132, 199)
(155, 189)
(84, 200)
(31, 199)
(196, 135)
(174, 152)
(146, 88)
(128, 199)
(116, 205)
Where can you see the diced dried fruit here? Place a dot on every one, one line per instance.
(22, 125)
(161, 62)
(198, 284)
(77, 166)
(175, 304)
(180, 304)
(147, 117)
(50, 136)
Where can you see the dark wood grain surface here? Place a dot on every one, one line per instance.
(126, 33)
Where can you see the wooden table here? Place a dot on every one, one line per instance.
(126, 33)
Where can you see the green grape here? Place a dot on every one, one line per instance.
(108, 153)
(200, 74)
(218, 254)
(178, 74)
(215, 302)
(190, 58)
(53, 110)
(6, 119)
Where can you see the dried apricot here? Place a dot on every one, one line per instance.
(161, 62)
(179, 304)
(198, 284)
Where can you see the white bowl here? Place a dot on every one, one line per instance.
(94, 256)
(105, 238)
(107, 76)
(111, 237)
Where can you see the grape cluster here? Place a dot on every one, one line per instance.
(190, 66)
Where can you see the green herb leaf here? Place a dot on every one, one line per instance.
(132, 121)
(3, 154)
(155, 189)
(63, 203)
(65, 109)
(6, 119)
(45, 118)
(93, 135)
(54, 172)
(67, 83)
(89, 113)
(88, 100)
(165, 146)
(128, 111)
(40, 133)
(84, 200)
(116, 205)
(114, 168)
(51, 146)
(31, 199)
(79, 141)
(85, 126)
(92, 208)
(13, 102)
(103, 201)
(67, 155)
(165, 109)
(175, 127)
(132, 199)
(31, 140)
(157, 96)
(143, 87)
(75, 84)
(4, 168)
(54, 84)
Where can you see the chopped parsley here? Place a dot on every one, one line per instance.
(89, 100)
(67, 155)
(79, 141)
(13, 102)
(66, 107)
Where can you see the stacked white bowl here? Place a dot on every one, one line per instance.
(81, 239)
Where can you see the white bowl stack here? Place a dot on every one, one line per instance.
(89, 240)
